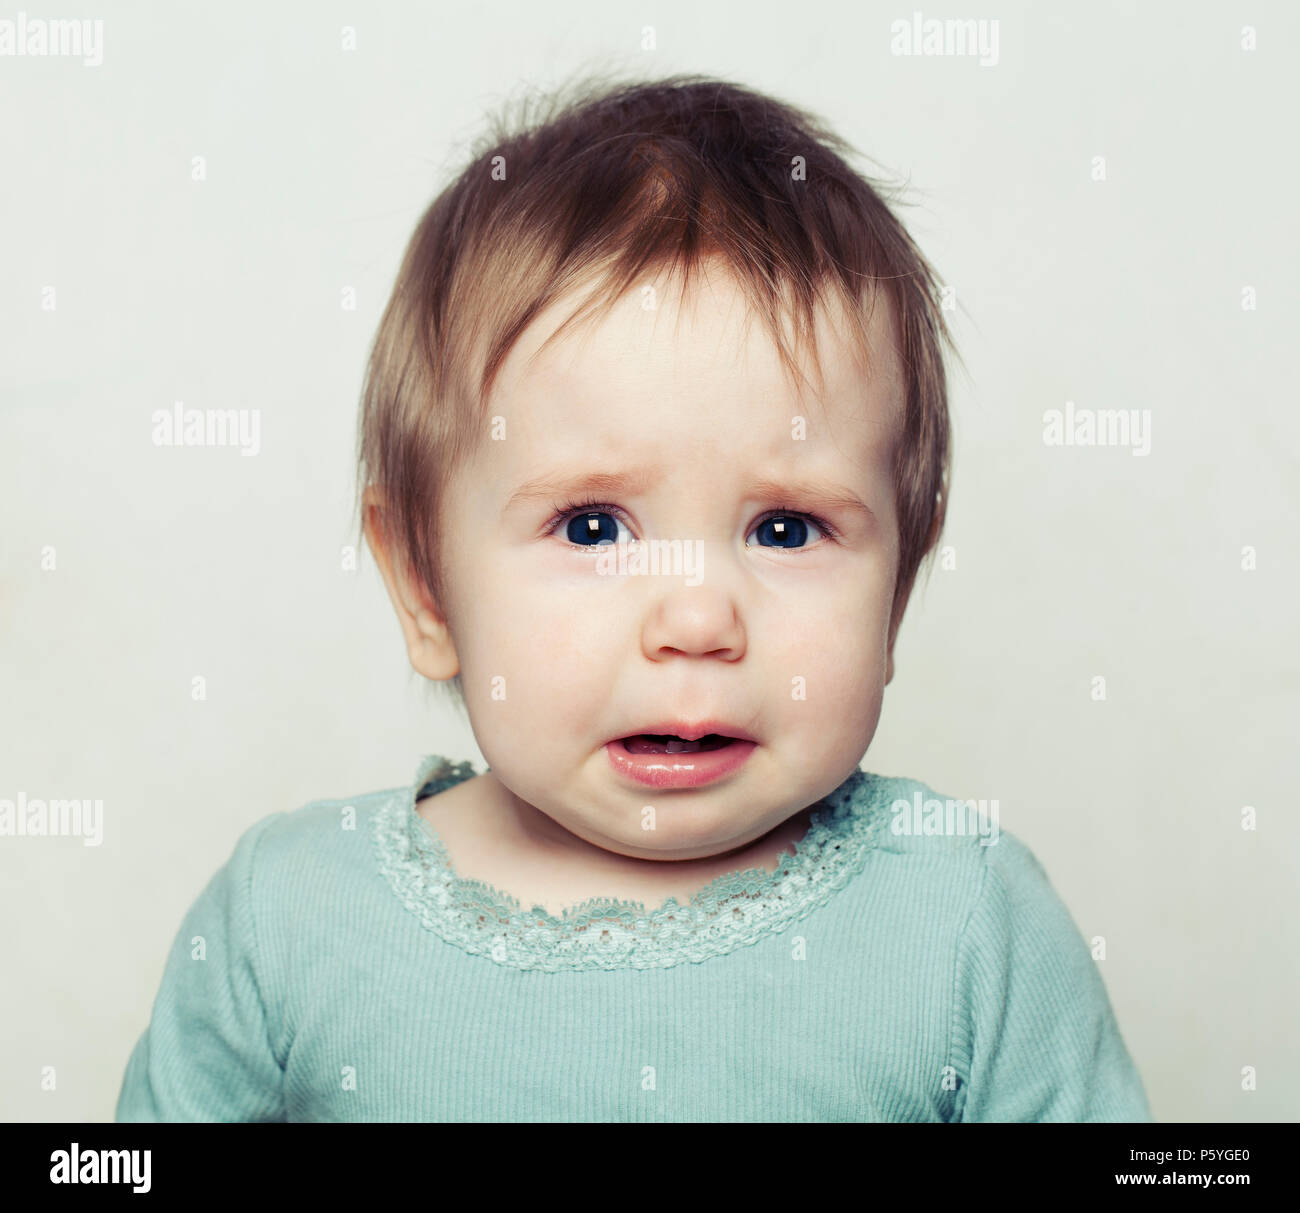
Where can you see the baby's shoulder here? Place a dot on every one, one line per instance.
(939, 835)
(323, 833)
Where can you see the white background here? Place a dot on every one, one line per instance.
(1071, 562)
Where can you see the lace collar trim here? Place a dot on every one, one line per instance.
(735, 911)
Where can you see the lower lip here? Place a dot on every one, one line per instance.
(679, 770)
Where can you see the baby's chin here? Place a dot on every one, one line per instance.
(681, 825)
(584, 798)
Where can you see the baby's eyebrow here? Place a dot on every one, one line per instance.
(791, 493)
(608, 484)
(814, 494)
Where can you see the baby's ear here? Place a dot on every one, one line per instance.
(424, 627)
(895, 623)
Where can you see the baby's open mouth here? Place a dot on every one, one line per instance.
(657, 743)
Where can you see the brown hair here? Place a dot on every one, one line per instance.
(606, 181)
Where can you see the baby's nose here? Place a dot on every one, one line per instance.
(694, 621)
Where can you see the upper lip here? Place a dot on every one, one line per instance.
(691, 732)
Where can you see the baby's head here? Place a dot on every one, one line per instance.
(568, 359)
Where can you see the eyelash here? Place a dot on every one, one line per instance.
(570, 508)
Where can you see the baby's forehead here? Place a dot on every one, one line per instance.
(704, 363)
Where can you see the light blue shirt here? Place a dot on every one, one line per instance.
(337, 969)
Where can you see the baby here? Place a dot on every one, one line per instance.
(661, 554)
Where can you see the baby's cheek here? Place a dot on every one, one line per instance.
(841, 626)
(546, 654)
(843, 687)
(831, 672)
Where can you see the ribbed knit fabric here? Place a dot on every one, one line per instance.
(336, 968)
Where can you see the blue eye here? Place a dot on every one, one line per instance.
(592, 528)
(785, 530)
(592, 524)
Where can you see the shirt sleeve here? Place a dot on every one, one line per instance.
(1034, 1038)
(208, 1052)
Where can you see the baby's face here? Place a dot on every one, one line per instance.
(783, 632)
